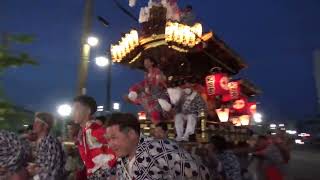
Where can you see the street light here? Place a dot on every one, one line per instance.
(102, 61)
(64, 110)
(116, 106)
(92, 41)
(100, 108)
(273, 126)
(257, 117)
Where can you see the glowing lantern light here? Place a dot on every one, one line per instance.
(223, 114)
(245, 120)
(142, 115)
(128, 43)
(183, 34)
(235, 121)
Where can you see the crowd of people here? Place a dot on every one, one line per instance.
(115, 148)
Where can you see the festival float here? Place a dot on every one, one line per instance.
(188, 76)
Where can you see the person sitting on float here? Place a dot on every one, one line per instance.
(188, 105)
(151, 92)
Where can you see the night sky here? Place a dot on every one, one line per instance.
(275, 38)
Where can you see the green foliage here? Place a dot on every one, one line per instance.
(10, 59)
(8, 114)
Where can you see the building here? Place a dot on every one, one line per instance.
(317, 76)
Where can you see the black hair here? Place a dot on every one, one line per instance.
(155, 64)
(219, 142)
(163, 126)
(87, 101)
(101, 118)
(125, 121)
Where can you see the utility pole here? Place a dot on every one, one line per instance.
(85, 48)
(108, 93)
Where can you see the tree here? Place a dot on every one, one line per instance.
(10, 59)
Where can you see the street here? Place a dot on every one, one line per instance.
(305, 163)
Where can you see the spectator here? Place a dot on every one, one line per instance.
(143, 157)
(93, 147)
(49, 155)
(101, 120)
(13, 157)
(270, 159)
(229, 161)
(161, 131)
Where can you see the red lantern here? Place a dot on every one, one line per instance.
(217, 84)
(234, 89)
(239, 106)
(233, 93)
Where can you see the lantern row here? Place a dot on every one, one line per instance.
(240, 111)
(183, 34)
(128, 43)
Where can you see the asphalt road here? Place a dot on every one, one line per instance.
(304, 164)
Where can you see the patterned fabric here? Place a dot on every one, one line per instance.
(93, 148)
(193, 105)
(230, 165)
(102, 174)
(13, 154)
(161, 159)
(50, 158)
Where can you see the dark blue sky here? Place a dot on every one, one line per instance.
(275, 38)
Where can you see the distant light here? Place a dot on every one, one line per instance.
(273, 126)
(292, 132)
(281, 125)
(273, 133)
(102, 61)
(64, 110)
(100, 108)
(298, 141)
(92, 41)
(116, 106)
(25, 125)
(304, 135)
(282, 129)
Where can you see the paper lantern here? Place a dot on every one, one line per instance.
(223, 114)
(217, 84)
(252, 108)
(234, 90)
(240, 106)
(182, 34)
(142, 115)
(245, 120)
(235, 121)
